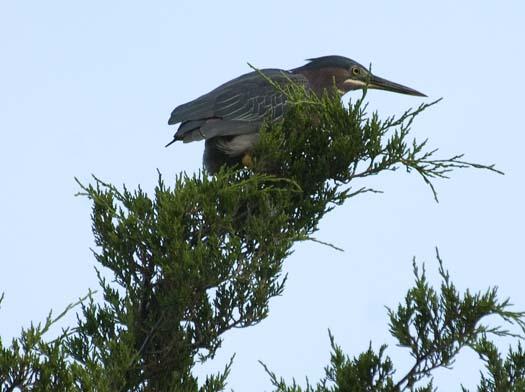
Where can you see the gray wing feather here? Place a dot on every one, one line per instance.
(198, 130)
(242, 104)
(190, 131)
(199, 108)
(230, 128)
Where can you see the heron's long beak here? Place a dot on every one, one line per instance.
(382, 84)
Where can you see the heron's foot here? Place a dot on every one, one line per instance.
(247, 160)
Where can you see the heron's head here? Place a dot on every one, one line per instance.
(346, 74)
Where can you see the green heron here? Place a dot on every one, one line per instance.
(229, 117)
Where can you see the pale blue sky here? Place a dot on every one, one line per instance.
(87, 87)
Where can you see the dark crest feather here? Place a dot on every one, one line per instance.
(330, 61)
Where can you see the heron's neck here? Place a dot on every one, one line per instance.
(320, 80)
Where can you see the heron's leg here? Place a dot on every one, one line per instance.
(247, 160)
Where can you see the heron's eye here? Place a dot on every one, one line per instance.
(356, 71)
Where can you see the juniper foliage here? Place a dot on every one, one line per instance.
(204, 255)
(434, 325)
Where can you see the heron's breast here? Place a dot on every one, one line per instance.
(237, 145)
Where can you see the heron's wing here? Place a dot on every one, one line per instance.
(256, 97)
(192, 131)
(237, 107)
(198, 109)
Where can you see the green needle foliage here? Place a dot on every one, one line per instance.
(501, 374)
(195, 259)
(434, 326)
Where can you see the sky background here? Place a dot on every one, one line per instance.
(87, 88)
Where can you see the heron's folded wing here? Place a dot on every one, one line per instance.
(229, 128)
(198, 109)
(193, 131)
(256, 97)
(237, 107)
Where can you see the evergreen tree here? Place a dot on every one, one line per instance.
(205, 255)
